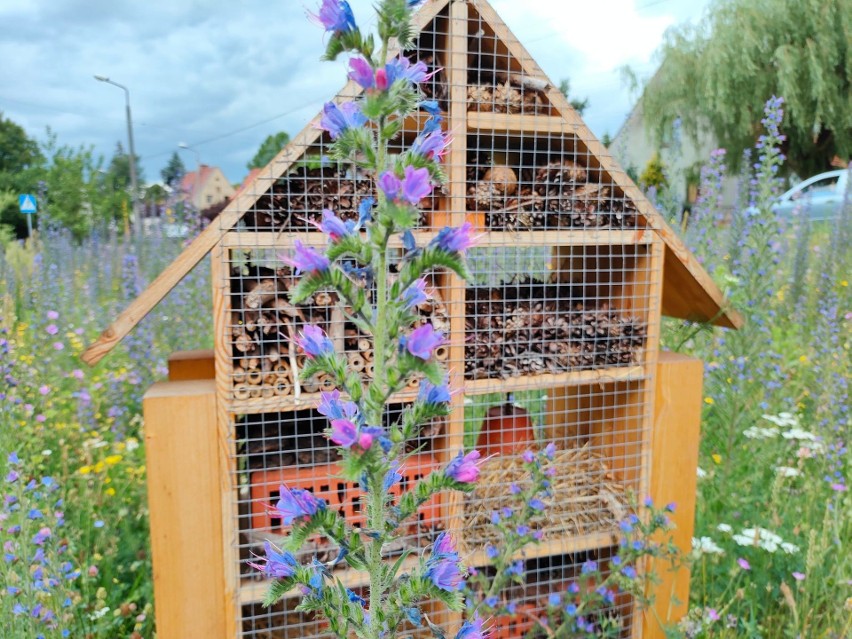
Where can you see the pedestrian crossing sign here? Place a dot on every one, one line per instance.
(27, 204)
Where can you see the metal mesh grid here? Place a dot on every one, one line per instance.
(553, 339)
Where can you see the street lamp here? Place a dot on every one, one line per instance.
(134, 186)
(187, 147)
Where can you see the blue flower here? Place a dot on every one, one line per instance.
(491, 551)
(355, 598)
(629, 572)
(296, 503)
(514, 489)
(444, 546)
(445, 573)
(465, 469)
(431, 107)
(34, 513)
(306, 259)
(361, 72)
(335, 16)
(314, 341)
(550, 450)
(278, 564)
(522, 530)
(517, 568)
(414, 615)
(537, 504)
(472, 629)
(337, 120)
(423, 341)
(554, 599)
(330, 406)
(454, 240)
(365, 211)
(589, 566)
(415, 294)
(571, 609)
(492, 601)
(431, 394)
(391, 476)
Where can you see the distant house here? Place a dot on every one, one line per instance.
(634, 146)
(208, 189)
(249, 179)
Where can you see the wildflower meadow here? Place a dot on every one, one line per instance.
(771, 556)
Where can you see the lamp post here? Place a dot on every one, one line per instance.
(187, 147)
(134, 186)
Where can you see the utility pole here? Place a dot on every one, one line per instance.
(134, 185)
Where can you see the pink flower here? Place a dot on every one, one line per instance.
(423, 341)
(799, 576)
(465, 469)
(744, 564)
(840, 488)
(52, 315)
(58, 346)
(52, 329)
(712, 615)
(44, 389)
(77, 373)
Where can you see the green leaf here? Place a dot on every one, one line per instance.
(277, 590)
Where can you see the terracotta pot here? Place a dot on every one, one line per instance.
(515, 626)
(507, 429)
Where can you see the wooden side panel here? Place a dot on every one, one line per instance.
(187, 365)
(185, 511)
(677, 421)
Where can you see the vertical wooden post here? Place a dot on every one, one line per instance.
(185, 509)
(674, 459)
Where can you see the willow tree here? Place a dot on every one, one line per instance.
(716, 76)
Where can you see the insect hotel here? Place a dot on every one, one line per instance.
(554, 340)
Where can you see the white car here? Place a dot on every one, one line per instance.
(819, 197)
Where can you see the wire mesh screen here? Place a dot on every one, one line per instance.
(552, 340)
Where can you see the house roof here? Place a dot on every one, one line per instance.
(191, 183)
(247, 181)
(688, 291)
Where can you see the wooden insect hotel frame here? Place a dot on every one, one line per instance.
(555, 339)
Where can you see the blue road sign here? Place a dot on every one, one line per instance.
(27, 204)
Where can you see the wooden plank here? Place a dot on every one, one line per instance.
(516, 124)
(566, 546)
(455, 298)
(677, 426)
(697, 284)
(603, 237)
(552, 380)
(187, 365)
(233, 213)
(184, 508)
(226, 452)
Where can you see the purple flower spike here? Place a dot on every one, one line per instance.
(335, 16)
(423, 341)
(472, 629)
(550, 450)
(344, 433)
(465, 469)
(445, 573)
(306, 259)
(390, 185)
(401, 69)
(416, 185)
(336, 120)
(431, 394)
(455, 240)
(314, 342)
(278, 564)
(297, 504)
(415, 294)
(361, 72)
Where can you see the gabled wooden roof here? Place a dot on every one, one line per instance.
(688, 291)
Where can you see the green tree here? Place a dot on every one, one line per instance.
(717, 74)
(174, 171)
(74, 186)
(21, 167)
(579, 105)
(268, 150)
(20, 158)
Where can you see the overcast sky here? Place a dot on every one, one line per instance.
(222, 75)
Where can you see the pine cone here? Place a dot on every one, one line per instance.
(480, 98)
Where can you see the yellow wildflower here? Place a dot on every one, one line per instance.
(844, 283)
(84, 470)
(803, 358)
(112, 460)
(717, 458)
(709, 401)
(99, 467)
(110, 491)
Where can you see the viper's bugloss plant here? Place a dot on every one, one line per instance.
(371, 453)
